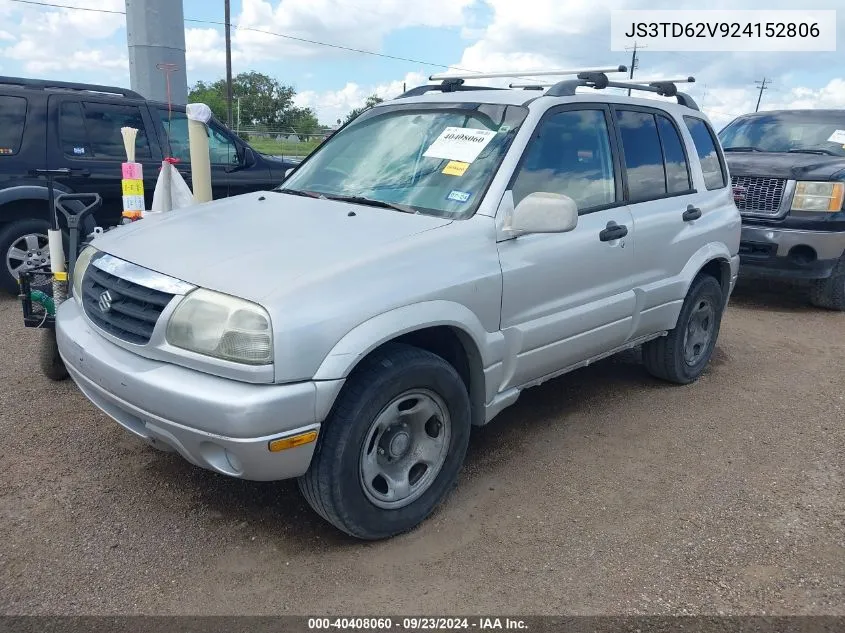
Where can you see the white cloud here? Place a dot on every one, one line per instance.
(50, 41)
(339, 22)
(336, 104)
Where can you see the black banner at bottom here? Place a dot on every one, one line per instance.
(379, 624)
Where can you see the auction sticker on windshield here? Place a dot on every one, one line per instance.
(459, 144)
(838, 136)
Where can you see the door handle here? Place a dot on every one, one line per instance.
(692, 213)
(613, 231)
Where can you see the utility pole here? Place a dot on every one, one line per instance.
(763, 87)
(155, 35)
(228, 11)
(634, 62)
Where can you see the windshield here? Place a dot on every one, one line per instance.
(436, 159)
(822, 133)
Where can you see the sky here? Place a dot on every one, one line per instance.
(478, 35)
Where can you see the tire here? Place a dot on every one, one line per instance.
(356, 441)
(668, 357)
(830, 293)
(51, 363)
(12, 235)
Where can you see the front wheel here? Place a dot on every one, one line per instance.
(830, 293)
(682, 355)
(24, 248)
(393, 447)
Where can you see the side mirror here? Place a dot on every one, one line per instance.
(287, 173)
(543, 212)
(248, 159)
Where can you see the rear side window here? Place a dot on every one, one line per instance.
(674, 157)
(92, 130)
(643, 155)
(72, 135)
(705, 145)
(12, 121)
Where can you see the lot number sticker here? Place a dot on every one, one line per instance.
(459, 144)
(838, 136)
(454, 168)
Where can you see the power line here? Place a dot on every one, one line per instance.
(255, 30)
(762, 88)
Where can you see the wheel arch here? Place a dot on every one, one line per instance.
(446, 329)
(26, 202)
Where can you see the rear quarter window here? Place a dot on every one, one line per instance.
(708, 155)
(12, 123)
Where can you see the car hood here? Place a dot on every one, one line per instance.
(785, 165)
(252, 245)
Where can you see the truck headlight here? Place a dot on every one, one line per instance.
(79, 269)
(818, 196)
(222, 326)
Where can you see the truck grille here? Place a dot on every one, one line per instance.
(122, 308)
(758, 195)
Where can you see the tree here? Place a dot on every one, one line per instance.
(263, 102)
(369, 103)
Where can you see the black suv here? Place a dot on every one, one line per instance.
(788, 175)
(60, 125)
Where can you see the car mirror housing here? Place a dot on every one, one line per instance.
(543, 212)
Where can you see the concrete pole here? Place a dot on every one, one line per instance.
(155, 33)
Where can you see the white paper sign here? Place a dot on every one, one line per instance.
(838, 136)
(460, 143)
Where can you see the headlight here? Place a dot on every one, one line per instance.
(79, 269)
(818, 196)
(222, 326)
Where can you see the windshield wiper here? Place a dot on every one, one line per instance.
(807, 150)
(743, 148)
(297, 192)
(371, 202)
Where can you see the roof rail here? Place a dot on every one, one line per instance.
(449, 85)
(599, 81)
(537, 85)
(44, 84)
(526, 73)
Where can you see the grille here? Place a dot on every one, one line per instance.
(758, 195)
(129, 311)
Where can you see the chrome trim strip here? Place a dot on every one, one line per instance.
(141, 276)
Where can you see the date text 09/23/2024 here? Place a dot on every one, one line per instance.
(416, 624)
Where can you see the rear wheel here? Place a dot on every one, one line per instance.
(830, 293)
(682, 355)
(393, 446)
(23, 247)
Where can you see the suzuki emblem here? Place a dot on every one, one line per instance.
(105, 301)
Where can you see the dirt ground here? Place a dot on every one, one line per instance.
(603, 492)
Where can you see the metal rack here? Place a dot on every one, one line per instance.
(595, 78)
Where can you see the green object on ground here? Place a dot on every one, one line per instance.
(45, 300)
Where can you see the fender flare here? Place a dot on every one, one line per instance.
(364, 338)
(24, 193)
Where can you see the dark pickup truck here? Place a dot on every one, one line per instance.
(788, 175)
(60, 125)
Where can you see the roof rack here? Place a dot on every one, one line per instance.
(456, 83)
(530, 73)
(44, 84)
(538, 85)
(600, 81)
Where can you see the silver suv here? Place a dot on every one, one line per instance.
(437, 256)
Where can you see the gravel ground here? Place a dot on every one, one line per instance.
(603, 492)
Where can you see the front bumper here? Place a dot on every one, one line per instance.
(789, 253)
(216, 423)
